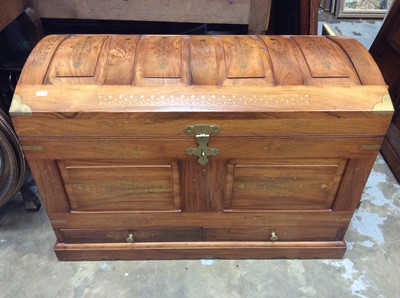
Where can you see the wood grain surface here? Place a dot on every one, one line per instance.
(230, 60)
(108, 186)
(102, 120)
(205, 250)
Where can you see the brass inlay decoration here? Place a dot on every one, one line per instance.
(370, 147)
(225, 99)
(202, 133)
(32, 148)
(18, 108)
(384, 107)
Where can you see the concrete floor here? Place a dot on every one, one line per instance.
(29, 268)
(362, 30)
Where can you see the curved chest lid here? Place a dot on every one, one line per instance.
(117, 73)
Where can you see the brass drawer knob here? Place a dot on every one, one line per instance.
(274, 237)
(130, 238)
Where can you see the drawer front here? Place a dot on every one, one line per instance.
(270, 234)
(199, 234)
(130, 235)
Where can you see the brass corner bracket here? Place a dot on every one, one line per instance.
(384, 107)
(18, 108)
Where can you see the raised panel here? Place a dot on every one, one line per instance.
(99, 186)
(325, 62)
(242, 58)
(162, 61)
(163, 57)
(77, 56)
(79, 60)
(283, 185)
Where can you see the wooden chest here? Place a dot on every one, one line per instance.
(166, 147)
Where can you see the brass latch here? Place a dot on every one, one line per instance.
(202, 133)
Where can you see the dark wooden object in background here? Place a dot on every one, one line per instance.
(20, 31)
(102, 119)
(386, 52)
(9, 11)
(294, 17)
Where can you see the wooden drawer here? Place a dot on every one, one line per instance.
(138, 235)
(198, 234)
(264, 234)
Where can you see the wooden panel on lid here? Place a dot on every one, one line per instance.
(162, 61)
(326, 59)
(325, 62)
(162, 58)
(242, 57)
(77, 56)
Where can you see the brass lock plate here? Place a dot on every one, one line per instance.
(202, 133)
